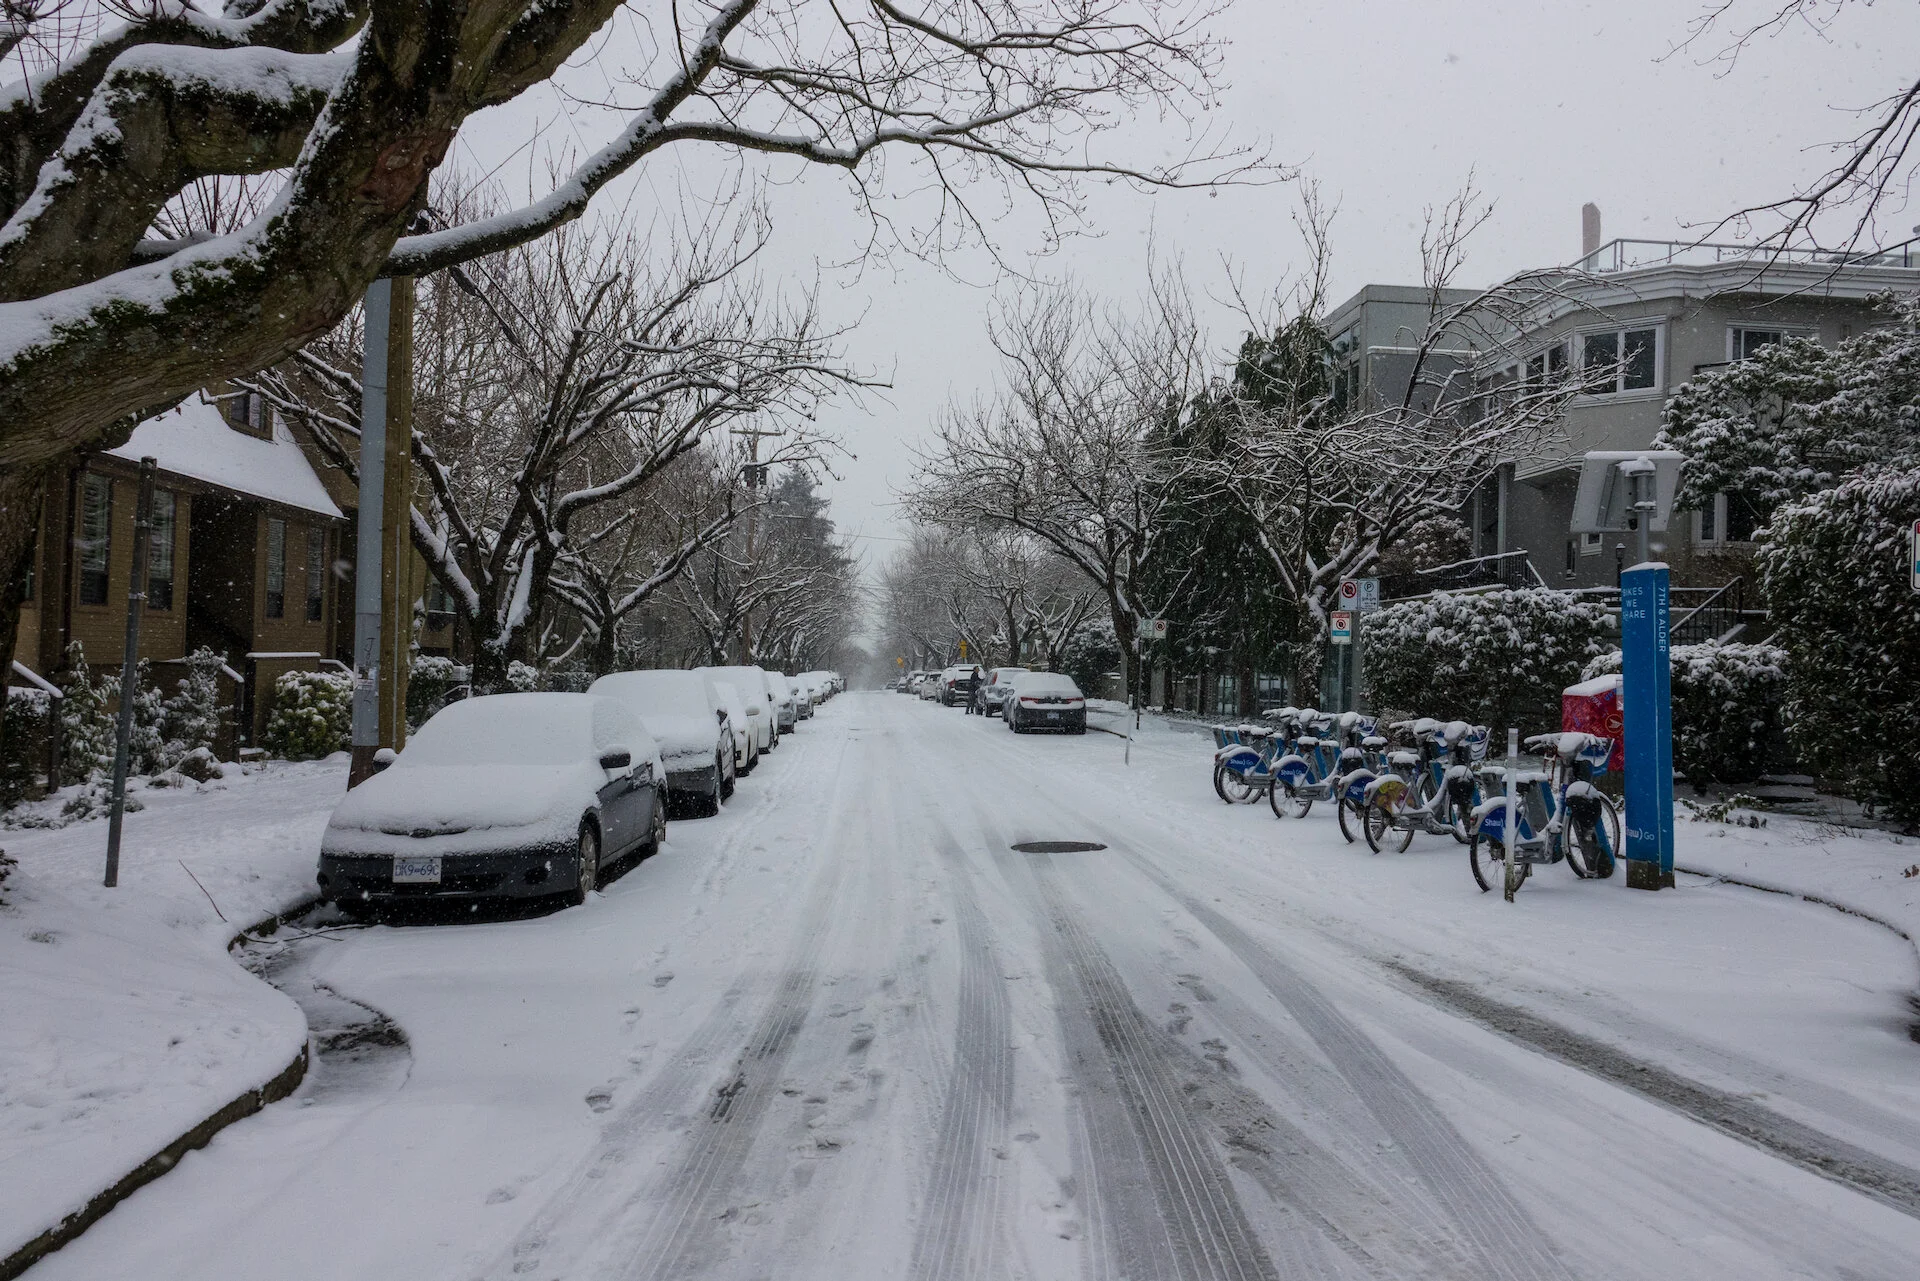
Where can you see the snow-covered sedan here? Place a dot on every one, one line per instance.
(762, 712)
(1044, 700)
(726, 698)
(507, 796)
(696, 742)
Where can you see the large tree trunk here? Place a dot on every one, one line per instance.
(22, 491)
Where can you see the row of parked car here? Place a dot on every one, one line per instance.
(1026, 700)
(532, 795)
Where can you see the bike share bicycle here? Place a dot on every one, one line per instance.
(1428, 789)
(1244, 755)
(1319, 768)
(1562, 815)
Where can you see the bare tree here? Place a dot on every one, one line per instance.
(597, 373)
(1075, 450)
(1331, 483)
(1875, 167)
(351, 105)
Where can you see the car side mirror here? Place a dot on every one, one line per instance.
(383, 758)
(616, 758)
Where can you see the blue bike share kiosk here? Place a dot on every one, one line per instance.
(1631, 491)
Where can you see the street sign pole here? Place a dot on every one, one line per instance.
(1646, 695)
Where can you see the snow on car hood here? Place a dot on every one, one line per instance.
(447, 799)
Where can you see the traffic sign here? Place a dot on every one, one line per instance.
(1349, 593)
(1342, 627)
(1157, 628)
(1369, 598)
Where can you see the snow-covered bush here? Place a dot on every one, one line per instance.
(312, 715)
(147, 749)
(191, 718)
(1836, 574)
(86, 721)
(430, 679)
(1727, 725)
(26, 720)
(1089, 655)
(522, 678)
(1496, 658)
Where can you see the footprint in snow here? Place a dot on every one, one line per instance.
(663, 978)
(600, 1100)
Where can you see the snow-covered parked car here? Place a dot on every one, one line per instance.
(507, 796)
(726, 698)
(993, 690)
(787, 700)
(1044, 700)
(762, 713)
(695, 741)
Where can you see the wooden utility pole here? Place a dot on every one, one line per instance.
(130, 666)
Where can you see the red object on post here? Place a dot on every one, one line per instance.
(1593, 707)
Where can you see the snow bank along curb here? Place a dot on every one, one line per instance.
(283, 1083)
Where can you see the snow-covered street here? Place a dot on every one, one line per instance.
(844, 1030)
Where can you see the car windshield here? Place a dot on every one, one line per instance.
(662, 693)
(504, 729)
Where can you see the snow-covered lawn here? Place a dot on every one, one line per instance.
(123, 1021)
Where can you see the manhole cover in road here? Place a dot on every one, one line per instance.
(1058, 847)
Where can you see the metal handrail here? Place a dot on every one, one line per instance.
(1615, 254)
(1718, 592)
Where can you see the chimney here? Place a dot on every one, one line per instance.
(1589, 229)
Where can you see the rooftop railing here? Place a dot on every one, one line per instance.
(1632, 255)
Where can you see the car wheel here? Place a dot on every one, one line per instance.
(659, 832)
(722, 782)
(588, 864)
(1014, 721)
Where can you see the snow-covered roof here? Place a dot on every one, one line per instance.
(195, 441)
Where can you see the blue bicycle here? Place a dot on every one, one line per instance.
(1562, 816)
(1334, 758)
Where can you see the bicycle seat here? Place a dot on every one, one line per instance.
(1281, 713)
(1373, 741)
(1403, 758)
(1422, 727)
(1306, 741)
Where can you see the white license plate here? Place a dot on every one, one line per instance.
(420, 869)
(1053, 716)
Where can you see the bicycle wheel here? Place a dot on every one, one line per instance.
(1380, 826)
(1286, 802)
(1596, 844)
(1490, 865)
(1233, 786)
(1352, 822)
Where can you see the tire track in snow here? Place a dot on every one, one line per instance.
(1508, 1241)
(594, 1200)
(1495, 1225)
(1206, 1231)
(958, 1236)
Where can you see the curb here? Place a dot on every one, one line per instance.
(283, 1083)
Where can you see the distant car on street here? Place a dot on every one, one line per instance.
(987, 699)
(695, 740)
(506, 796)
(1044, 700)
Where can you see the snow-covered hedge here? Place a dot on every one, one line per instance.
(1836, 576)
(312, 715)
(1727, 699)
(1497, 658)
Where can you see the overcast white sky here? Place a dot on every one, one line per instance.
(1388, 104)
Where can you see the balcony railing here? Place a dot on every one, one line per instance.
(1631, 255)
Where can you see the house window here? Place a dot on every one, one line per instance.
(160, 552)
(245, 411)
(96, 537)
(1620, 360)
(276, 568)
(1591, 544)
(1729, 518)
(1745, 344)
(316, 570)
(1545, 368)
